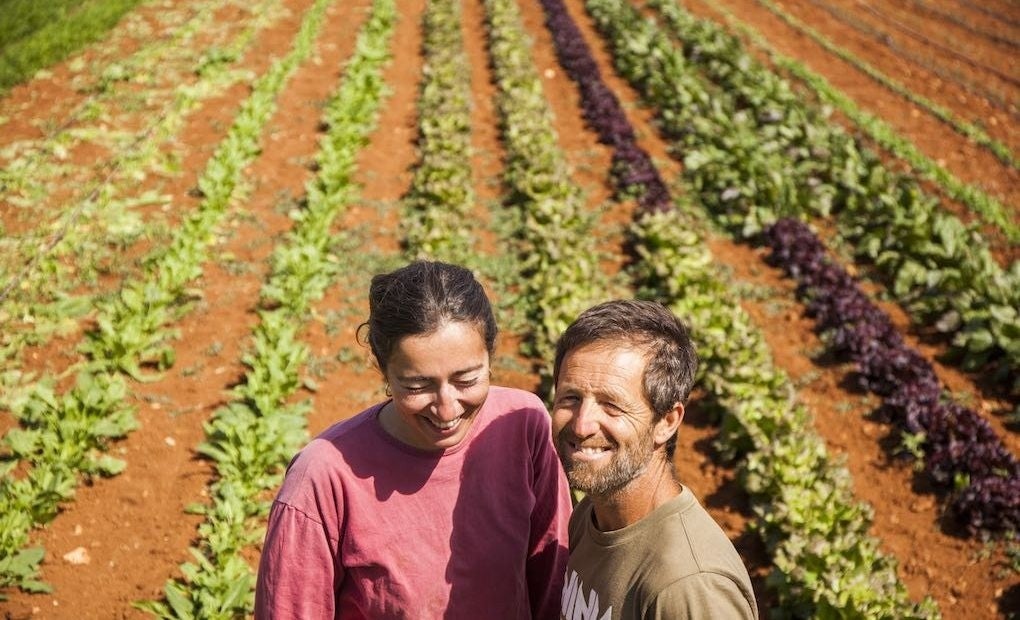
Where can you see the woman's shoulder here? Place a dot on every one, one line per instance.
(326, 450)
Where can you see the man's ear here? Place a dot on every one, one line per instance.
(668, 424)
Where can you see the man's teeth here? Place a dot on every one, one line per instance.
(592, 451)
(445, 425)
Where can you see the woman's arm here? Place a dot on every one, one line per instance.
(547, 556)
(297, 573)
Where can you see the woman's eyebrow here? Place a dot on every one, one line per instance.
(471, 369)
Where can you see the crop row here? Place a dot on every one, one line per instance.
(560, 271)
(50, 35)
(703, 183)
(755, 152)
(441, 196)
(924, 7)
(30, 162)
(824, 561)
(960, 449)
(64, 436)
(982, 88)
(961, 126)
(39, 294)
(253, 437)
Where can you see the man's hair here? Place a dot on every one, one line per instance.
(651, 327)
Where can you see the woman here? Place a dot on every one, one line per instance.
(444, 501)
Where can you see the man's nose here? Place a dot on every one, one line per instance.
(585, 420)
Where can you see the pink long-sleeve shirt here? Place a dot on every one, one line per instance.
(366, 526)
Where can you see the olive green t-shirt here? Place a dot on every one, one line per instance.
(676, 563)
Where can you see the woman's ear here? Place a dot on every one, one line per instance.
(668, 424)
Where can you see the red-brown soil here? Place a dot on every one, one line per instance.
(134, 526)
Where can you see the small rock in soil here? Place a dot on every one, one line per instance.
(79, 555)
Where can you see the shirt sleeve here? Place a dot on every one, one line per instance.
(547, 555)
(702, 596)
(297, 573)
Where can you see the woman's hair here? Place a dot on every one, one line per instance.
(418, 299)
(648, 326)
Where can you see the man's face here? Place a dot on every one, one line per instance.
(601, 421)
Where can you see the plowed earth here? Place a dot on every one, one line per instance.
(134, 528)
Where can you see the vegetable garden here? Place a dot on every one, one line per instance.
(191, 208)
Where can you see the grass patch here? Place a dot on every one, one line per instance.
(36, 34)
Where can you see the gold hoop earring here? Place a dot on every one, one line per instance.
(387, 390)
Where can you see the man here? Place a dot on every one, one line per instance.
(641, 545)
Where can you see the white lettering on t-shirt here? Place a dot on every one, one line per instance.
(575, 606)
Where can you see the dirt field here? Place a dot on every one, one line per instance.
(134, 527)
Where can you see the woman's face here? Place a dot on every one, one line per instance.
(439, 382)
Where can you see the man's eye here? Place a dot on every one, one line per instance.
(414, 389)
(466, 382)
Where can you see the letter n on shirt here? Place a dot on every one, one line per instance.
(574, 605)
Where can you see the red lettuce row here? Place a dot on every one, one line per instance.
(962, 453)
(633, 172)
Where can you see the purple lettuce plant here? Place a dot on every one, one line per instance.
(633, 171)
(962, 453)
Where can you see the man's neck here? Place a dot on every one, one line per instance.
(637, 499)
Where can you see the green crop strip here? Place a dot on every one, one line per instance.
(439, 205)
(826, 565)
(754, 152)
(991, 210)
(988, 208)
(964, 128)
(29, 162)
(59, 36)
(253, 437)
(132, 332)
(561, 275)
(37, 293)
(993, 94)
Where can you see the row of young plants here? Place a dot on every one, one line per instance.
(825, 563)
(52, 34)
(29, 162)
(970, 26)
(755, 152)
(960, 450)
(43, 293)
(944, 42)
(982, 204)
(439, 205)
(973, 197)
(967, 129)
(253, 437)
(982, 88)
(560, 275)
(62, 437)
